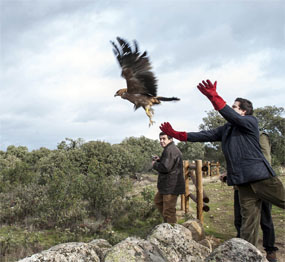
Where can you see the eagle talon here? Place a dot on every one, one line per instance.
(151, 123)
(149, 112)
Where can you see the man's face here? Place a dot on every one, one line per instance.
(236, 107)
(164, 140)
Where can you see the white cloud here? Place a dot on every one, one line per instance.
(59, 75)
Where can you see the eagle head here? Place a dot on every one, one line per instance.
(120, 92)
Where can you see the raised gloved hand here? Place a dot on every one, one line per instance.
(167, 129)
(209, 90)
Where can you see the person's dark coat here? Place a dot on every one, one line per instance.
(240, 144)
(170, 169)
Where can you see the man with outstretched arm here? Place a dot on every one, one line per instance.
(247, 167)
(266, 222)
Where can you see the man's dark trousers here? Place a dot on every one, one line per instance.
(265, 222)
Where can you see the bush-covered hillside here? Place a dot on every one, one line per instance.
(82, 190)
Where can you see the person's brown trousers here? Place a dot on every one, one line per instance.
(250, 196)
(166, 205)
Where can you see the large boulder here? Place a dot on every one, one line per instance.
(101, 246)
(176, 242)
(196, 228)
(134, 250)
(237, 250)
(67, 252)
(166, 243)
(207, 243)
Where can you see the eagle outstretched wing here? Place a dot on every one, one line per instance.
(136, 68)
(141, 83)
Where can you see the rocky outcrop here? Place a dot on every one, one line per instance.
(166, 243)
(135, 249)
(195, 226)
(67, 252)
(207, 243)
(100, 246)
(237, 250)
(177, 243)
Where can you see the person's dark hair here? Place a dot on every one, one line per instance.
(162, 134)
(246, 105)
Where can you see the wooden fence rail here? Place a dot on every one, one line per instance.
(211, 168)
(195, 172)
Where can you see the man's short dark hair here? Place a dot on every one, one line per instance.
(163, 134)
(245, 105)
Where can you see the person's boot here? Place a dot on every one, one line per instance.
(271, 256)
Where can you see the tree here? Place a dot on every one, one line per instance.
(55, 162)
(142, 148)
(70, 144)
(271, 121)
(19, 152)
(213, 151)
(213, 120)
(191, 151)
(34, 157)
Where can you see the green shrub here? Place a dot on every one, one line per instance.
(65, 204)
(103, 192)
(111, 160)
(19, 174)
(58, 203)
(142, 149)
(137, 211)
(47, 188)
(22, 202)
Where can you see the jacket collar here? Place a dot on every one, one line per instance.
(171, 143)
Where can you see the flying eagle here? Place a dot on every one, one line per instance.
(141, 82)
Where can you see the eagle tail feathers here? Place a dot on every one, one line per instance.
(161, 98)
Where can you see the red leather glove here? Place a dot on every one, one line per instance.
(209, 90)
(167, 129)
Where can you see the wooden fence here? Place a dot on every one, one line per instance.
(195, 171)
(211, 168)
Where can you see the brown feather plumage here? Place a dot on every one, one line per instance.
(141, 82)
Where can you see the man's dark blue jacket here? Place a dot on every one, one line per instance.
(240, 145)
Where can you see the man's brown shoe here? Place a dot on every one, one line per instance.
(271, 256)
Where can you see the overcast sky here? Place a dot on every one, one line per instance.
(59, 74)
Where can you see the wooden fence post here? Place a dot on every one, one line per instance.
(199, 187)
(209, 168)
(182, 202)
(194, 171)
(218, 169)
(186, 173)
(194, 180)
(184, 199)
